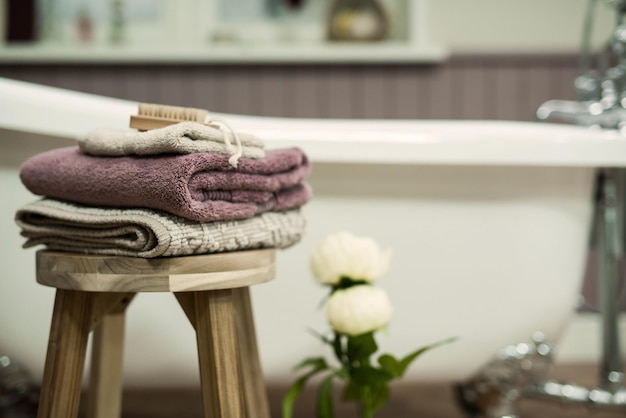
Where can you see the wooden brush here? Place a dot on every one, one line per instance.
(153, 116)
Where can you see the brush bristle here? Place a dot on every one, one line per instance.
(172, 112)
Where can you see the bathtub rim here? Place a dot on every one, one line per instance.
(56, 112)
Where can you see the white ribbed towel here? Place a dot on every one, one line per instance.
(147, 233)
(181, 138)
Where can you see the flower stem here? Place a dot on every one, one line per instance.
(362, 411)
(338, 348)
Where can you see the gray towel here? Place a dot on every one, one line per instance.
(181, 138)
(148, 233)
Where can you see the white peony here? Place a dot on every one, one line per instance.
(343, 254)
(358, 309)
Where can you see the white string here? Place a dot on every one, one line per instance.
(235, 152)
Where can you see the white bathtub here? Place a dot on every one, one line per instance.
(488, 221)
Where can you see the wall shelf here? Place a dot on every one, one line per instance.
(296, 53)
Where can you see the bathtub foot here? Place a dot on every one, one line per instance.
(520, 371)
(493, 392)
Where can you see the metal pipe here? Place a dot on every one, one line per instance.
(569, 394)
(609, 247)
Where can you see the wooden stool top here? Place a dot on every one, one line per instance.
(98, 273)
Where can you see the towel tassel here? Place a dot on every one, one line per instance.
(235, 151)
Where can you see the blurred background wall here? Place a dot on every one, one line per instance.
(507, 57)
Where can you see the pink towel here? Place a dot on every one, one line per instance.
(201, 187)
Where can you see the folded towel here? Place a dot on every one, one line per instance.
(201, 186)
(181, 138)
(147, 233)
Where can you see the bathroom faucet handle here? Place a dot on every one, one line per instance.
(569, 111)
(590, 113)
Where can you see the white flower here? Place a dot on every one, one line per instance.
(343, 254)
(358, 309)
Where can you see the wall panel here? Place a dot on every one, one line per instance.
(465, 87)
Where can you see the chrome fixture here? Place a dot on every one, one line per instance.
(601, 89)
(493, 392)
(602, 103)
(521, 370)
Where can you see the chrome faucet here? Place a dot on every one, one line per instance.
(601, 91)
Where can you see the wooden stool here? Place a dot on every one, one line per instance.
(93, 293)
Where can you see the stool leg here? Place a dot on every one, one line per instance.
(222, 390)
(105, 383)
(257, 405)
(65, 359)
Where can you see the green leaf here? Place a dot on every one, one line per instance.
(371, 397)
(324, 338)
(351, 392)
(315, 362)
(325, 400)
(292, 394)
(296, 388)
(361, 347)
(399, 367)
(370, 376)
(338, 347)
(342, 373)
(378, 396)
(347, 282)
(390, 364)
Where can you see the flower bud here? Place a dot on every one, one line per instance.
(358, 309)
(345, 255)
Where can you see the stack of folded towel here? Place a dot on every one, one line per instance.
(179, 190)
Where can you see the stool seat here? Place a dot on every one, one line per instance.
(92, 294)
(95, 273)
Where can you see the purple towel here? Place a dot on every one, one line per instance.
(201, 187)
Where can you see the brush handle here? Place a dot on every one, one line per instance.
(146, 123)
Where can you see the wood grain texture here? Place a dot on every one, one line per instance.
(187, 302)
(256, 401)
(106, 303)
(253, 390)
(75, 314)
(175, 274)
(65, 358)
(218, 355)
(216, 315)
(106, 374)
